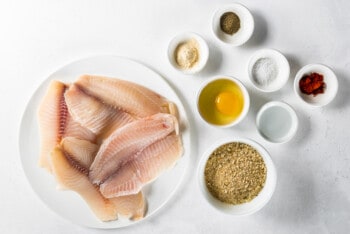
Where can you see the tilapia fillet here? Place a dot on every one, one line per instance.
(134, 99)
(124, 144)
(55, 122)
(106, 138)
(81, 151)
(93, 113)
(144, 168)
(70, 163)
(70, 177)
(132, 207)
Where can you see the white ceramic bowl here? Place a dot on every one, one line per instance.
(282, 68)
(277, 122)
(246, 27)
(203, 52)
(246, 98)
(246, 208)
(329, 78)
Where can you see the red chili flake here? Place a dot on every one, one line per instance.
(312, 84)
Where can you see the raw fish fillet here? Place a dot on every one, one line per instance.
(132, 206)
(71, 163)
(56, 123)
(134, 99)
(146, 167)
(70, 177)
(81, 151)
(124, 144)
(92, 113)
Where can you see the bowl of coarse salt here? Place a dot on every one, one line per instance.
(268, 70)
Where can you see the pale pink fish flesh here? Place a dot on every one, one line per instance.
(71, 177)
(132, 207)
(71, 163)
(124, 144)
(92, 113)
(133, 98)
(81, 151)
(55, 122)
(144, 168)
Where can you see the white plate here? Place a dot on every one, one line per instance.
(69, 204)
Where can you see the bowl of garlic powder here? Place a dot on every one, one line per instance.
(237, 176)
(188, 53)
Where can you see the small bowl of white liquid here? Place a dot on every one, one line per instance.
(277, 122)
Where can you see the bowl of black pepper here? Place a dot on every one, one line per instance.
(233, 24)
(237, 176)
(316, 85)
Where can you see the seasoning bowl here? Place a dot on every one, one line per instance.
(223, 101)
(203, 52)
(245, 30)
(277, 122)
(329, 78)
(256, 203)
(268, 70)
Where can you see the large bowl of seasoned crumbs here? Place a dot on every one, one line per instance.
(237, 176)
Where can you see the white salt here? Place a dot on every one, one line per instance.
(264, 71)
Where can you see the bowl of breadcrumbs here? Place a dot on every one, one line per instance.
(237, 176)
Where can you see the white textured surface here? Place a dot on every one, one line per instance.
(313, 188)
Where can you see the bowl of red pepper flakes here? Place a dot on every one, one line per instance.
(316, 84)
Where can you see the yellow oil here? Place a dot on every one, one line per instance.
(221, 102)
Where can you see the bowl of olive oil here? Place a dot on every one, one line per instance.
(223, 101)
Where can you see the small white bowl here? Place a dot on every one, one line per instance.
(244, 91)
(277, 122)
(246, 208)
(203, 52)
(329, 78)
(246, 28)
(281, 65)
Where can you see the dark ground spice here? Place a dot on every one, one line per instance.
(230, 23)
